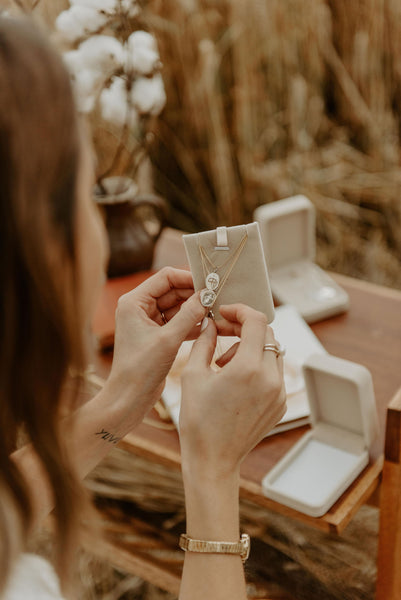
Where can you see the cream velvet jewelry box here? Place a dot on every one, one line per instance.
(327, 459)
(288, 235)
(228, 266)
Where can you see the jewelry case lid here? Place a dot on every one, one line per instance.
(288, 230)
(341, 396)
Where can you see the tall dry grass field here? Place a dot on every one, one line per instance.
(270, 98)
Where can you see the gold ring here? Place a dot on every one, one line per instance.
(276, 348)
(163, 316)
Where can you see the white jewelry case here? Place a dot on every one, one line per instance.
(248, 280)
(288, 235)
(327, 459)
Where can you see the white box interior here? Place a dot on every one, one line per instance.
(341, 396)
(288, 236)
(309, 288)
(288, 230)
(338, 401)
(317, 473)
(326, 460)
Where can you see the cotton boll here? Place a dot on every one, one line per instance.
(87, 85)
(142, 54)
(78, 21)
(72, 60)
(130, 7)
(148, 95)
(88, 81)
(85, 104)
(114, 102)
(102, 52)
(142, 38)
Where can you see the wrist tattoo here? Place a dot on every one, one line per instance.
(109, 437)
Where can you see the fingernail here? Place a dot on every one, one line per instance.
(204, 324)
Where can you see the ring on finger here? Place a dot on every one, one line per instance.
(163, 316)
(276, 348)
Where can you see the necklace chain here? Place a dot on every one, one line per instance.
(216, 268)
(213, 293)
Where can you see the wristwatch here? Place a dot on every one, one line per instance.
(242, 547)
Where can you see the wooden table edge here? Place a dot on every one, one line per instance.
(334, 521)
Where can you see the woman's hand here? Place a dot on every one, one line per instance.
(145, 346)
(225, 414)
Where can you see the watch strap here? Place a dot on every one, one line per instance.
(241, 547)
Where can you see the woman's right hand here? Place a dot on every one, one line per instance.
(225, 414)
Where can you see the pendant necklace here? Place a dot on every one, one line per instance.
(213, 281)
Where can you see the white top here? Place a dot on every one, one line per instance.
(33, 578)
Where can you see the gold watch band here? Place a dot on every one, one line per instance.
(242, 547)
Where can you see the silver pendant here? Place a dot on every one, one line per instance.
(212, 281)
(207, 298)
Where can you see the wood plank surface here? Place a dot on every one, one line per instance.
(369, 334)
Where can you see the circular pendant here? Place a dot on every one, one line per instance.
(207, 298)
(212, 281)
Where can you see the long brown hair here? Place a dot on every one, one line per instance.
(40, 332)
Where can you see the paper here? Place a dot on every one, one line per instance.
(299, 341)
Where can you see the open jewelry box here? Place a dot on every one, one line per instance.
(327, 459)
(288, 235)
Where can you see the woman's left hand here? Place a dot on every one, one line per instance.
(151, 323)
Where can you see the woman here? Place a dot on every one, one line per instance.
(53, 256)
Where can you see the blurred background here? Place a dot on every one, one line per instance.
(270, 98)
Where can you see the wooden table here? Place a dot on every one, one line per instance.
(369, 333)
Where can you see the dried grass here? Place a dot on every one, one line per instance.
(270, 98)
(45, 11)
(304, 562)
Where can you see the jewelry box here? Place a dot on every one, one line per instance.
(228, 266)
(288, 234)
(327, 459)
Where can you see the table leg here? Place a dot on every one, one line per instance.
(389, 549)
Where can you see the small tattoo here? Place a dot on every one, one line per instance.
(109, 437)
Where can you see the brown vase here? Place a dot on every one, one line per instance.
(134, 223)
